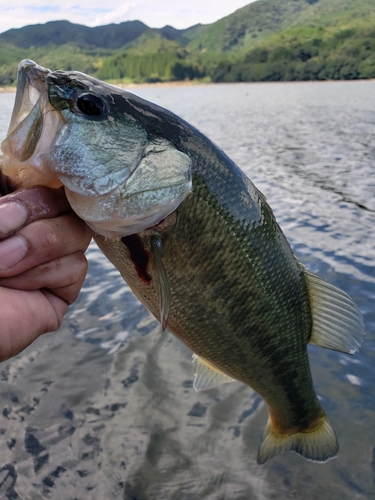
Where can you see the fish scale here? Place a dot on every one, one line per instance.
(243, 314)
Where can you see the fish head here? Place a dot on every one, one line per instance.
(69, 129)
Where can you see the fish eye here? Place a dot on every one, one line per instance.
(90, 104)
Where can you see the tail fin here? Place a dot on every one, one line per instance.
(318, 444)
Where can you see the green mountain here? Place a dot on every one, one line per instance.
(316, 40)
(265, 40)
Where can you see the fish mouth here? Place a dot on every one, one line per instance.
(34, 125)
(30, 85)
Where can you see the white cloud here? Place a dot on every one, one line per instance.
(113, 16)
(156, 14)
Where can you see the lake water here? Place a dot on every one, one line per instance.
(105, 409)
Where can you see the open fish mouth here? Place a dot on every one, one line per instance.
(68, 129)
(31, 84)
(33, 127)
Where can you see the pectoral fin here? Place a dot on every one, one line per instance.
(161, 281)
(206, 376)
(337, 322)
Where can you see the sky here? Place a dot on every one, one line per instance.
(155, 13)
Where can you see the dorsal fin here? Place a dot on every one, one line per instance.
(337, 322)
(206, 376)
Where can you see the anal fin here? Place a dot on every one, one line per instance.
(337, 322)
(206, 376)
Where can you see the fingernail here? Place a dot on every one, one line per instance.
(13, 215)
(12, 251)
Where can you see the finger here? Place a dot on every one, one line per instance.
(26, 307)
(63, 277)
(28, 205)
(43, 241)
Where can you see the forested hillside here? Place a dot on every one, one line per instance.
(267, 40)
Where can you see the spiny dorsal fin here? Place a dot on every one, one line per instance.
(206, 376)
(337, 322)
(161, 283)
(318, 444)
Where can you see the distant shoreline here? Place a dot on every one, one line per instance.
(192, 83)
(140, 85)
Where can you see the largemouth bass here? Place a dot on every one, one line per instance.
(194, 239)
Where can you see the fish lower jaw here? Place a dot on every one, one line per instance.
(112, 217)
(118, 227)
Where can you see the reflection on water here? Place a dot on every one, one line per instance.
(105, 407)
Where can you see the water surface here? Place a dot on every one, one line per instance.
(105, 409)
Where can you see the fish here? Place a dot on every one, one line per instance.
(194, 239)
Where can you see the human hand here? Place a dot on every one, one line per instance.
(42, 264)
